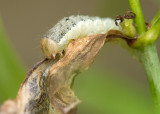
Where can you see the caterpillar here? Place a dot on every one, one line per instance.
(73, 27)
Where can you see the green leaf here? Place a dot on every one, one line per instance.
(154, 20)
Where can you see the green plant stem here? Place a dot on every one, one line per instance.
(146, 46)
(139, 20)
(150, 61)
(150, 36)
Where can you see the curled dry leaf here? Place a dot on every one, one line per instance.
(47, 87)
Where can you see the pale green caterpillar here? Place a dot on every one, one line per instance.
(73, 27)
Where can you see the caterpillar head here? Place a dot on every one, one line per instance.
(49, 48)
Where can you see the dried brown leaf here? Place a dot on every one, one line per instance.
(47, 86)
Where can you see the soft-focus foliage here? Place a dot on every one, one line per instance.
(11, 71)
(103, 94)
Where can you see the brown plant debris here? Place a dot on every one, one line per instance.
(47, 87)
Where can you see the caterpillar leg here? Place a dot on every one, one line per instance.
(49, 48)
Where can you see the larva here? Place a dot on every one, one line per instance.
(73, 27)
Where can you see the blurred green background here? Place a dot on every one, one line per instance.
(114, 84)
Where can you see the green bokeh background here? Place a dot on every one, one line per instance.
(114, 84)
